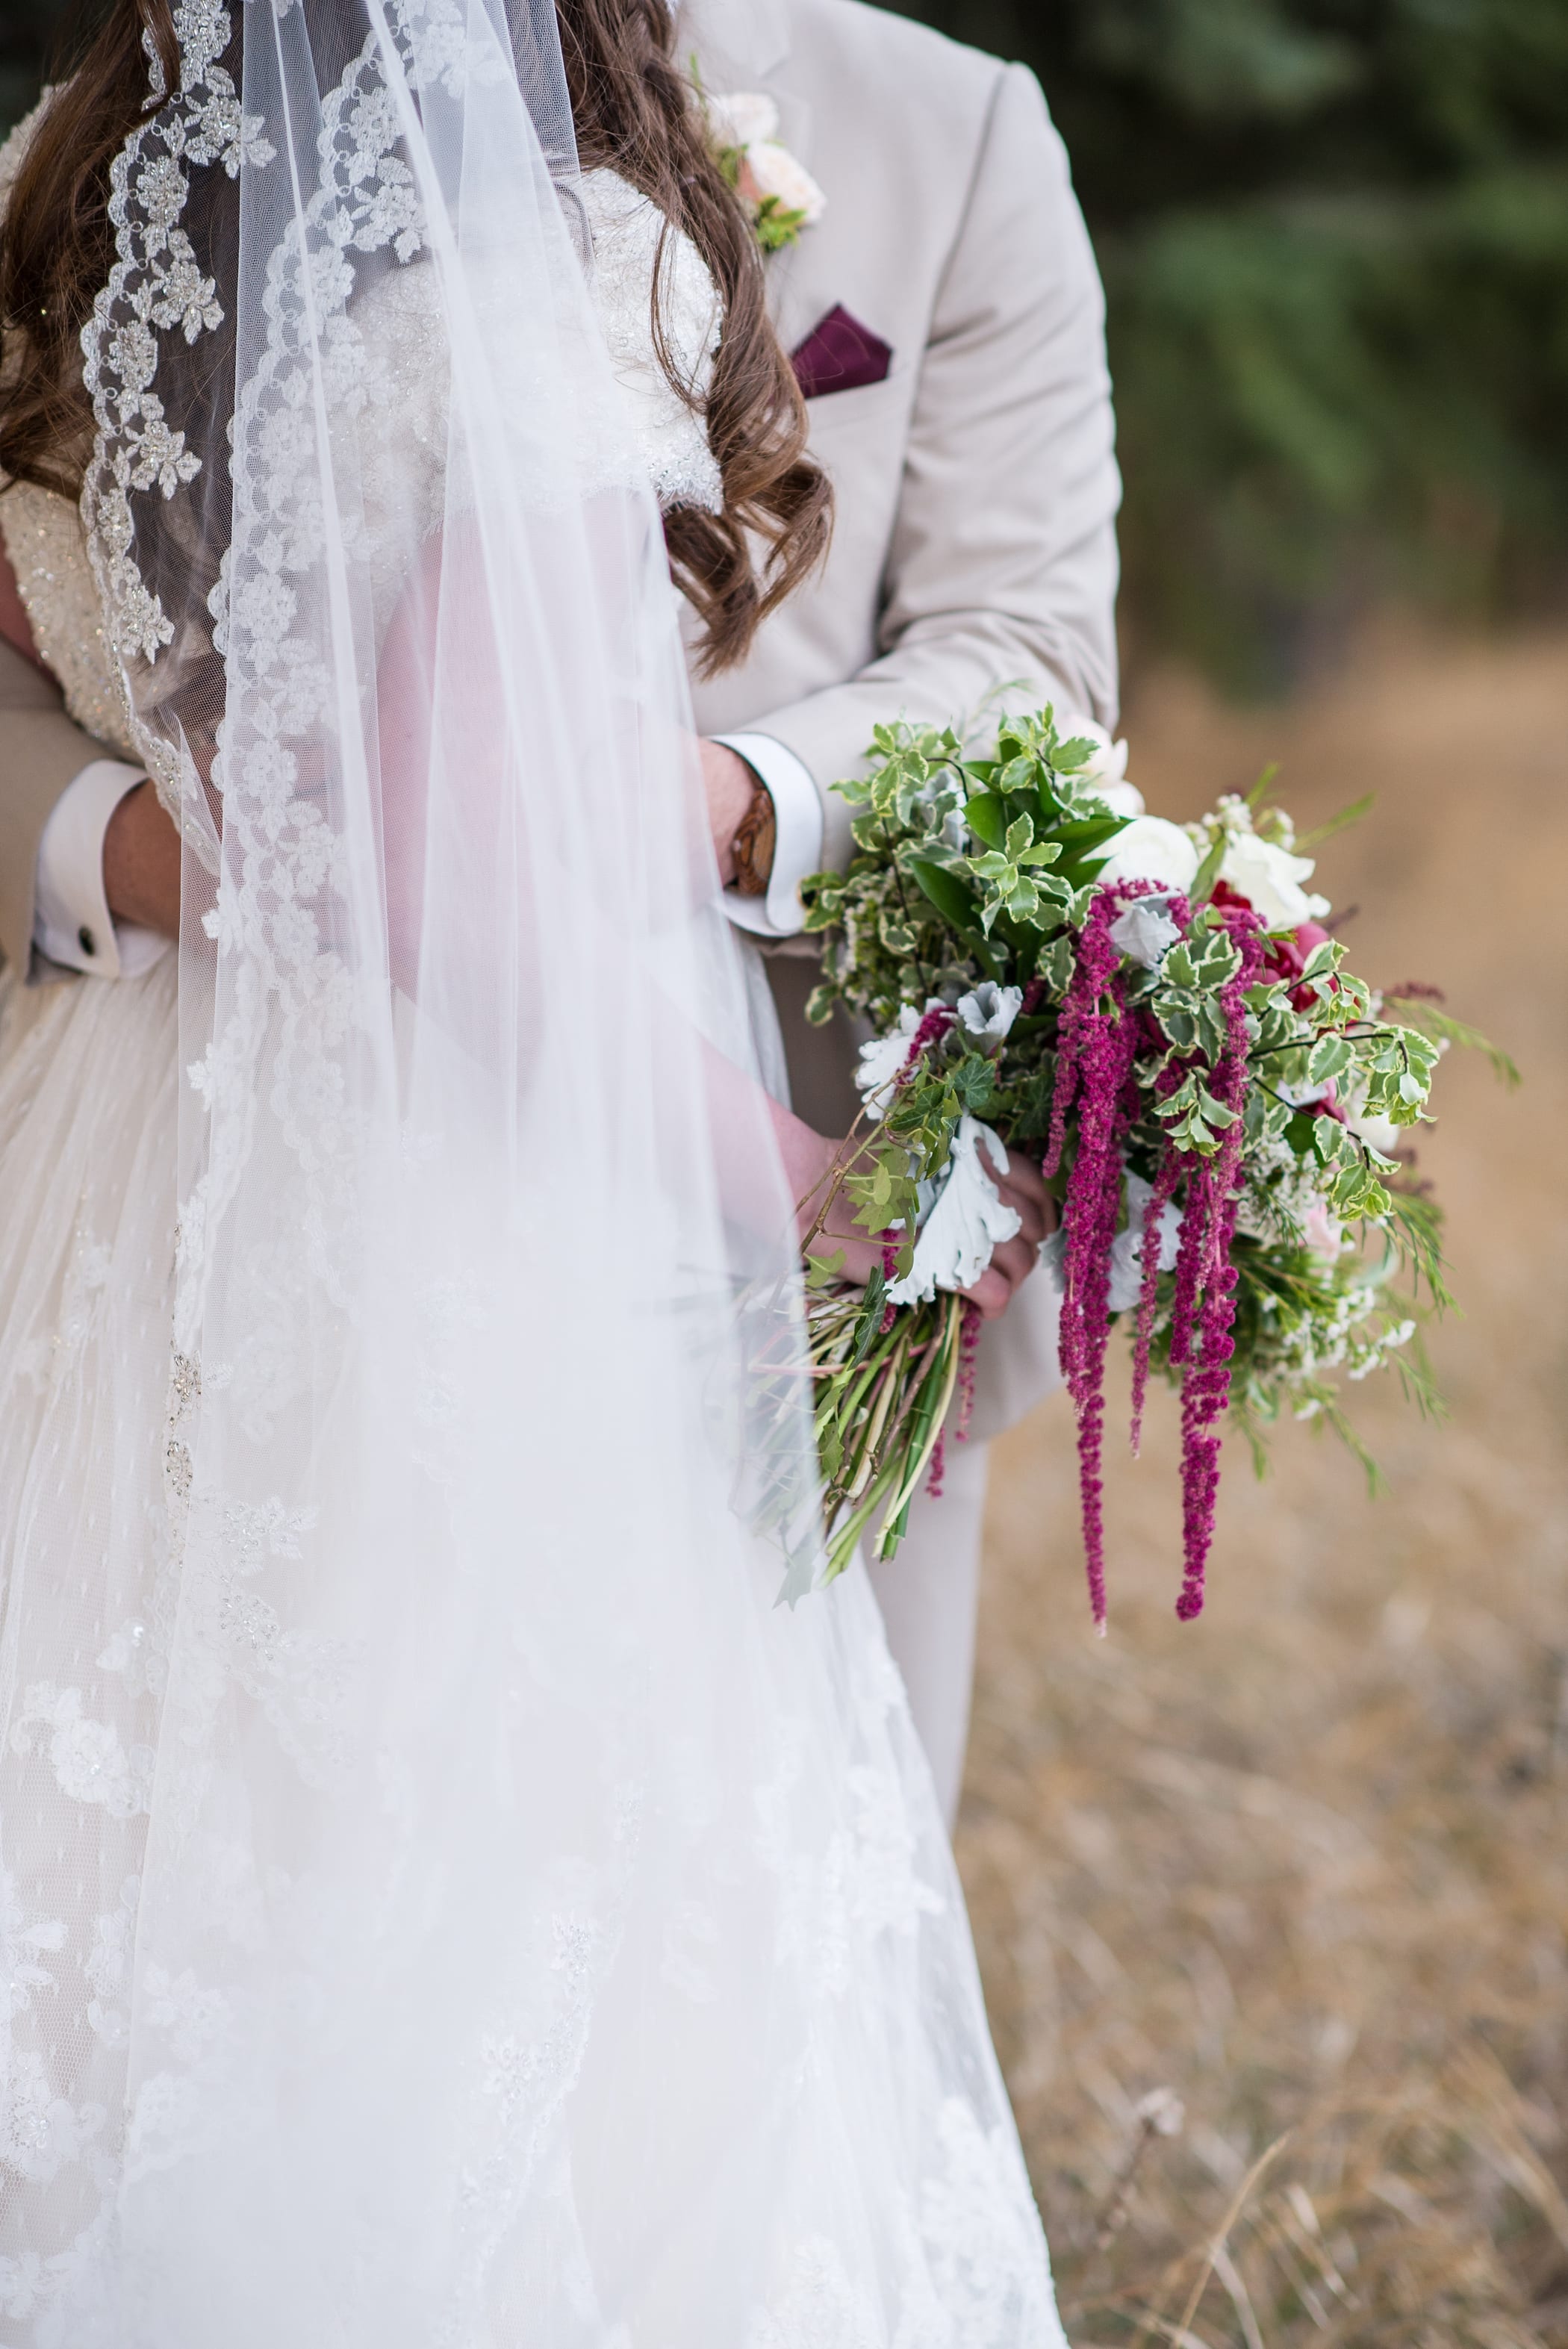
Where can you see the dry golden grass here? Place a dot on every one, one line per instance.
(1304, 1864)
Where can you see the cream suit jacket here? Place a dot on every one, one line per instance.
(973, 548)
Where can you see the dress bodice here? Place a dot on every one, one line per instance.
(42, 531)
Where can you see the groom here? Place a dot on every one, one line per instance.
(946, 319)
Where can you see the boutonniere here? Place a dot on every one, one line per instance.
(780, 194)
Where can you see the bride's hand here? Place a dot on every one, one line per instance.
(809, 1161)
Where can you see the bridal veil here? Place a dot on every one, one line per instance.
(544, 1939)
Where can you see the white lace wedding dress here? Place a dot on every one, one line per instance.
(88, 1584)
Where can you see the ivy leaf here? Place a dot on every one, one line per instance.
(1329, 1058)
(1055, 966)
(974, 1082)
(823, 1271)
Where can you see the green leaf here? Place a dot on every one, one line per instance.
(1203, 888)
(1088, 831)
(986, 817)
(975, 1080)
(870, 1320)
(1068, 756)
(1340, 822)
(952, 899)
(1263, 780)
(1426, 1018)
(1055, 966)
(1329, 1058)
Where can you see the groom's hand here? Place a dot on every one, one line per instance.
(1022, 1188)
(809, 1159)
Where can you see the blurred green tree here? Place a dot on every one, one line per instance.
(29, 32)
(1335, 238)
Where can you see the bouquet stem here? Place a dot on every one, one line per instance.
(893, 1405)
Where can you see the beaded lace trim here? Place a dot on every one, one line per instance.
(156, 281)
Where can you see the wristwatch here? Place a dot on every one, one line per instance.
(755, 838)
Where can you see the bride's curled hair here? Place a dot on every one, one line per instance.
(634, 112)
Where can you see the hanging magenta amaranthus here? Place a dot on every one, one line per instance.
(1205, 1307)
(1096, 1046)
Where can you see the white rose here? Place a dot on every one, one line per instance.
(1270, 878)
(1144, 933)
(744, 116)
(769, 169)
(1105, 771)
(1126, 1247)
(1121, 799)
(964, 1221)
(987, 1012)
(1151, 849)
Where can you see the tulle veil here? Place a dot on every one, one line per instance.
(544, 1937)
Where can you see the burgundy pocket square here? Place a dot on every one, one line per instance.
(839, 355)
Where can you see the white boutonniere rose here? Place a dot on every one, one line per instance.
(778, 191)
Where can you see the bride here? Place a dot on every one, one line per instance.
(445, 1899)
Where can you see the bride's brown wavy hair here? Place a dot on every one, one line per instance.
(634, 111)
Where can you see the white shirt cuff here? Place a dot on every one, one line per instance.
(798, 848)
(71, 920)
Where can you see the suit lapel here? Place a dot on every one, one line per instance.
(740, 42)
(744, 45)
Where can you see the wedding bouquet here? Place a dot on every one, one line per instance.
(1157, 1010)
